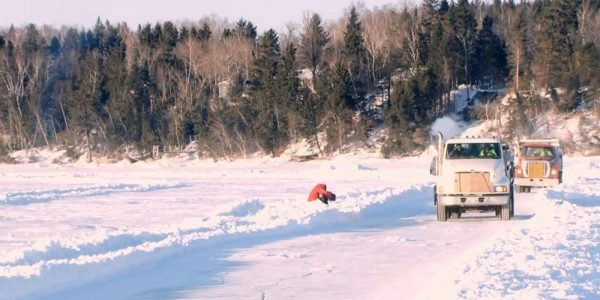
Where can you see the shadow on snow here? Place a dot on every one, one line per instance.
(203, 263)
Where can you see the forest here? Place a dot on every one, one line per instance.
(234, 91)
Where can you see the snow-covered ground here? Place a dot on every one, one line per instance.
(243, 230)
(191, 229)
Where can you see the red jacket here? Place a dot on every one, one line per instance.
(320, 189)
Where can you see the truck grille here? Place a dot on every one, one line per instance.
(536, 169)
(472, 182)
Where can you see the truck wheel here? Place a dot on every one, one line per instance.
(435, 195)
(442, 213)
(560, 177)
(518, 188)
(512, 201)
(505, 212)
(512, 207)
(455, 215)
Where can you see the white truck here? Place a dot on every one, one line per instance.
(538, 163)
(472, 175)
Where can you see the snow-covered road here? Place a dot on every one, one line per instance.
(243, 230)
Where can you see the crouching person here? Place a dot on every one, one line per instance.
(321, 193)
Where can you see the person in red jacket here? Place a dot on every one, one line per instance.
(320, 192)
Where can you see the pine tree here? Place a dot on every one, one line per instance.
(84, 102)
(116, 107)
(354, 59)
(147, 36)
(490, 55)
(269, 122)
(410, 111)
(54, 47)
(337, 108)
(204, 33)
(436, 61)
(555, 50)
(444, 7)
(518, 51)
(169, 36)
(33, 40)
(430, 14)
(313, 43)
(397, 123)
(141, 89)
(588, 64)
(430, 87)
(463, 25)
(243, 28)
(289, 84)
(517, 119)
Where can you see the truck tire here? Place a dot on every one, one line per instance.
(560, 177)
(442, 213)
(512, 201)
(505, 212)
(434, 195)
(455, 215)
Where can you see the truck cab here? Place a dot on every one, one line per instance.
(472, 175)
(538, 164)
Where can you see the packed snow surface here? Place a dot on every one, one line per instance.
(177, 229)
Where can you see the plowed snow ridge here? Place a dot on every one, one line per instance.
(58, 263)
(24, 198)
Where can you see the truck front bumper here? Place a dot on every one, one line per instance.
(473, 199)
(536, 182)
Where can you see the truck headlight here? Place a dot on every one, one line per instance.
(519, 171)
(500, 189)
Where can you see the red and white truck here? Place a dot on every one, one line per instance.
(538, 163)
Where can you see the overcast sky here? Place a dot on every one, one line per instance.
(264, 14)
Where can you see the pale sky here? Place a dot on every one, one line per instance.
(262, 13)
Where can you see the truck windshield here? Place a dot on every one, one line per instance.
(473, 151)
(537, 151)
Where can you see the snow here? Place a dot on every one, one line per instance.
(177, 228)
(174, 229)
(555, 255)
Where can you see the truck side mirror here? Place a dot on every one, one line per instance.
(433, 166)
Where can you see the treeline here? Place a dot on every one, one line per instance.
(236, 91)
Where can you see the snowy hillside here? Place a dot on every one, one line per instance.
(579, 130)
(244, 230)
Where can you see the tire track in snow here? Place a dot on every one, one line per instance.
(64, 263)
(556, 255)
(41, 196)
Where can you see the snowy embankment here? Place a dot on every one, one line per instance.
(243, 230)
(61, 237)
(555, 255)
